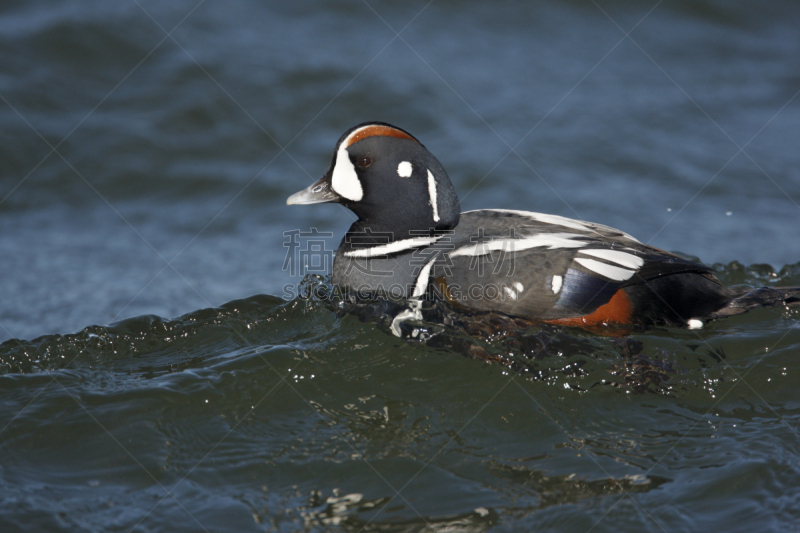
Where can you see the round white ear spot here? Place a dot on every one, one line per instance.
(404, 169)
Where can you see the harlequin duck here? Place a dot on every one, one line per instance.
(411, 241)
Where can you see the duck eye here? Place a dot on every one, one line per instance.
(363, 162)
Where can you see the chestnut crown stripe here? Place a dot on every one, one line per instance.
(375, 130)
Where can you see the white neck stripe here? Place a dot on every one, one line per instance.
(423, 279)
(393, 247)
(432, 194)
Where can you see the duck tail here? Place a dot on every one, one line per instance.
(761, 297)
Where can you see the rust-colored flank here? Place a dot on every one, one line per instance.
(371, 131)
(618, 310)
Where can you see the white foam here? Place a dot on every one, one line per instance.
(694, 323)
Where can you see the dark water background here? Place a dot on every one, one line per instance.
(146, 151)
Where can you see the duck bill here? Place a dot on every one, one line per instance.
(318, 193)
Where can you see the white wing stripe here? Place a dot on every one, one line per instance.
(542, 217)
(621, 258)
(558, 221)
(605, 270)
(551, 241)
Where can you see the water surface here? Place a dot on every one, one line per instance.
(155, 378)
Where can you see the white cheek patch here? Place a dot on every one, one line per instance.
(344, 181)
(404, 169)
(432, 194)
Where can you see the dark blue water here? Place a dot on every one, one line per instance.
(146, 152)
